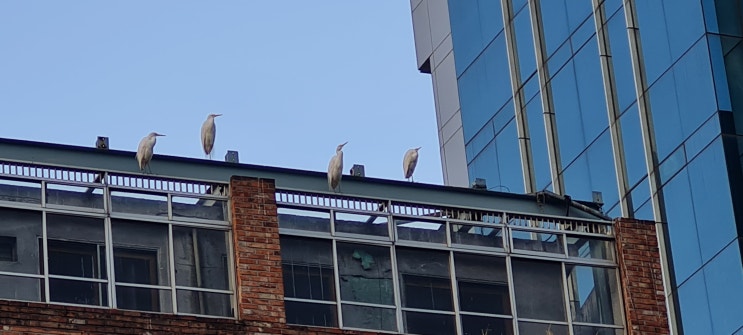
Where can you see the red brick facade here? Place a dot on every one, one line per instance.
(641, 276)
(258, 278)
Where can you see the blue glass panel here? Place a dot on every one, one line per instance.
(483, 137)
(531, 88)
(524, 45)
(640, 194)
(611, 6)
(538, 140)
(719, 72)
(567, 114)
(672, 164)
(601, 169)
(664, 108)
(518, 5)
(702, 137)
(578, 12)
(591, 91)
(556, 62)
(724, 276)
(580, 36)
(484, 87)
(634, 149)
(504, 116)
(491, 19)
(713, 205)
(682, 227)
(554, 23)
(466, 32)
(645, 211)
(576, 184)
(695, 88)
(485, 165)
(621, 61)
(695, 313)
(684, 24)
(509, 166)
(654, 38)
(733, 50)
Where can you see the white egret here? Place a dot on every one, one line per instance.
(145, 150)
(335, 168)
(208, 133)
(409, 162)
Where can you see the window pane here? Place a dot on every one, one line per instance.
(424, 279)
(478, 325)
(78, 196)
(141, 252)
(538, 290)
(307, 268)
(303, 313)
(20, 191)
(589, 247)
(139, 203)
(78, 292)
(483, 284)
(207, 209)
(369, 317)
(540, 242)
(290, 218)
(361, 224)
(422, 231)
(19, 288)
(477, 236)
(144, 299)
(76, 246)
(365, 273)
(594, 294)
(542, 328)
(204, 303)
(201, 258)
(429, 324)
(20, 233)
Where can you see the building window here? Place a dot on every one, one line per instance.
(425, 284)
(484, 298)
(309, 284)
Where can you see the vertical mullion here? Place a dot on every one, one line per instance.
(566, 295)
(512, 294)
(336, 278)
(45, 255)
(171, 268)
(396, 288)
(455, 292)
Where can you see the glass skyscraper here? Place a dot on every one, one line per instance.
(634, 103)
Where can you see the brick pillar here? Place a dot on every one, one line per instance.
(259, 283)
(641, 276)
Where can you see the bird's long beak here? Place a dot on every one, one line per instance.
(418, 148)
(344, 144)
(159, 135)
(215, 115)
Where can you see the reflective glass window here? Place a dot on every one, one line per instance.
(509, 169)
(485, 166)
(538, 290)
(702, 137)
(594, 294)
(290, 218)
(713, 205)
(476, 236)
(672, 164)
(682, 228)
(684, 24)
(590, 247)
(654, 38)
(474, 24)
(634, 148)
(695, 87)
(554, 23)
(75, 196)
(727, 16)
(590, 85)
(538, 242)
(20, 191)
(201, 258)
(664, 108)
(365, 273)
(724, 279)
(421, 231)
(373, 225)
(21, 288)
(693, 301)
(424, 279)
(483, 284)
(367, 317)
(538, 141)
(621, 61)
(542, 328)
(567, 114)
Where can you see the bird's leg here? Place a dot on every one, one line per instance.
(412, 179)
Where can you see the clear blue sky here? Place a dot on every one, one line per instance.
(292, 78)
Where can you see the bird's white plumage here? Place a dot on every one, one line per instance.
(335, 168)
(208, 134)
(409, 161)
(146, 149)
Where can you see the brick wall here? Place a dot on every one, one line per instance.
(258, 278)
(641, 276)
